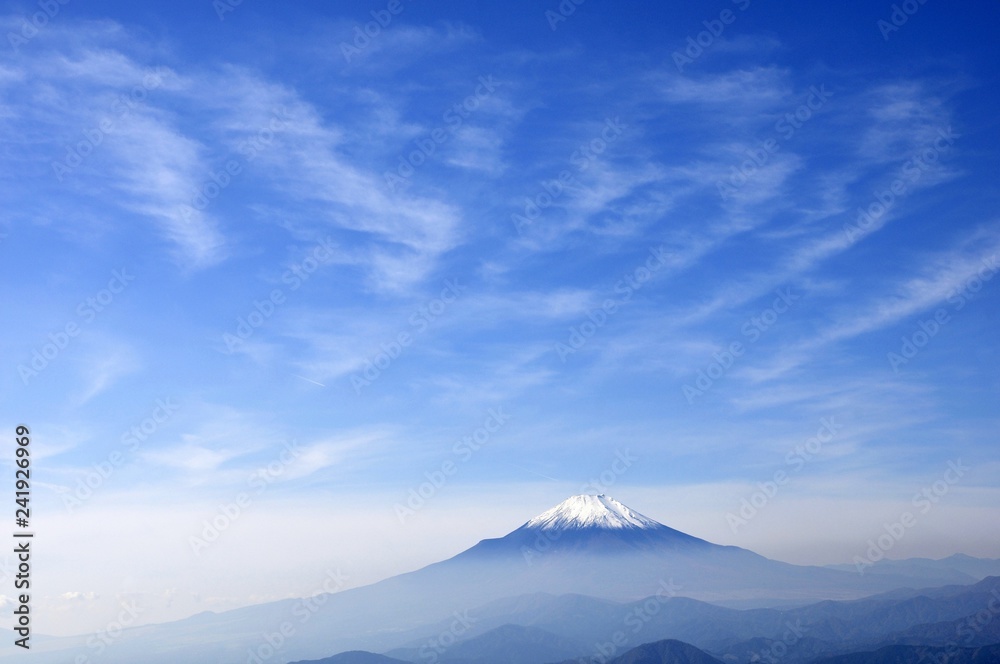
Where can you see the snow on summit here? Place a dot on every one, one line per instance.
(590, 512)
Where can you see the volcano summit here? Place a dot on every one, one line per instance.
(590, 512)
(585, 546)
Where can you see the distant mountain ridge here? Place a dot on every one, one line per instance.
(918, 655)
(579, 572)
(957, 568)
(825, 628)
(353, 657)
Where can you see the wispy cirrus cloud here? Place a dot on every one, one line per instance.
(310, 135)
(940, 276)
(104, 365)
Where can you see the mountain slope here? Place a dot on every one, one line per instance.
(822, 628)
(665, 652)
(513, 644)
(759, 649)
(918, 655)
(587, 545)
(590, 524)
(353, 657)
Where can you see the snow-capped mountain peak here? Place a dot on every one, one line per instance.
(590, 512)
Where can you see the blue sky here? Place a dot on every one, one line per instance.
(253, 256)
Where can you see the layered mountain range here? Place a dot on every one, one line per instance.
(593, 579)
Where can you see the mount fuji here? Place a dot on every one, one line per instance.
(594, 525)
(586, 546)
(595, 545)
(591, 512)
